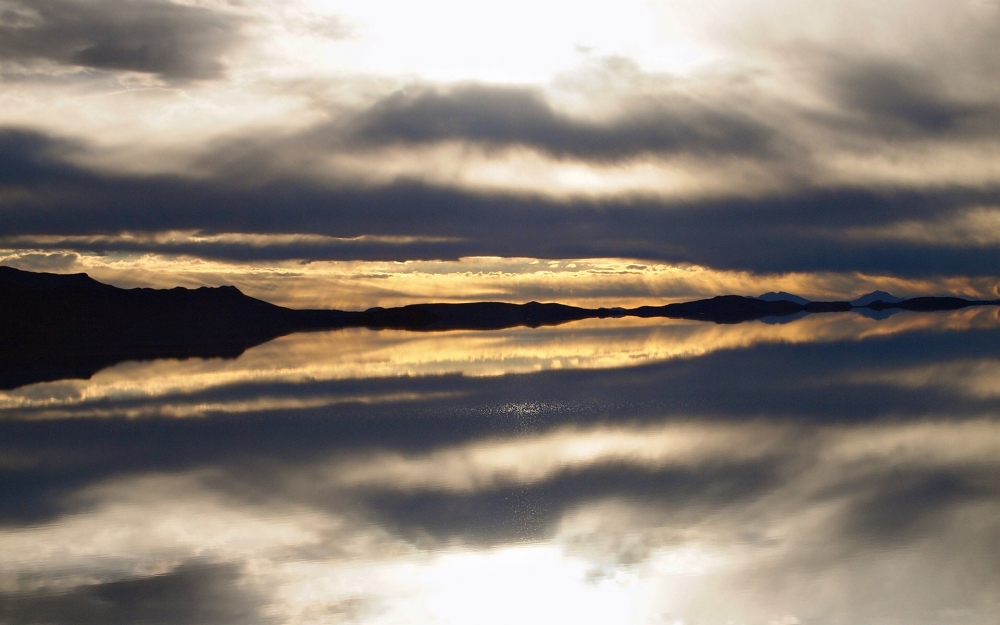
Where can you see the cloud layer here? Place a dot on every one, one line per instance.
(501, 117)
(785, 145)
(845, 229)
(170, 40)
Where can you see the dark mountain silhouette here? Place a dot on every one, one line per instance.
(876, 296)
(722, 309)
(476, 316)
(56, 326)
(771, 296)
(928, 304)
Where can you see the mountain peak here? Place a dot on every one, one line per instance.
(782, 296)
(875, 296)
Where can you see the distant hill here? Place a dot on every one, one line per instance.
(55, 326)
(782, 296)
(721, 309)
(876, 296)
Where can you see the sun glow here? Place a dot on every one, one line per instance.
(518, 41)
(361, 284)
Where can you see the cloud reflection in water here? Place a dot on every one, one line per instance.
(301, 359)
(663, 472)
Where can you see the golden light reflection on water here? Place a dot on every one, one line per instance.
(666, 515)
(183, 410)
(359, 353)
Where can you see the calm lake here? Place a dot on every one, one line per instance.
(832, 469)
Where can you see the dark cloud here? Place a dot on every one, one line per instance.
(909, 504)
(510, 116)
(795, 231)
(28, 158)
(900, 100)
(171, 40)
(306, 250)
(532, 511)
(191, 594)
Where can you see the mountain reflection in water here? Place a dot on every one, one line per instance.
(832, 469)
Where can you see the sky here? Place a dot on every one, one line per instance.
(348, 154)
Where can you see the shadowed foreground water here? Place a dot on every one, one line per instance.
(831, 469)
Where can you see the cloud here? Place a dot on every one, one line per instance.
(492, 516)
(224, 245)
(974, 227)
(907, 101)
(59, 263)
(191, 594)
(172, 41)
(902, 506)
(963, 377)
(806, 230)
(509, 116)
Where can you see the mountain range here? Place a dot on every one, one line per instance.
(55, 326)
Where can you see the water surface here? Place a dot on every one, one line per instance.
(831, 469)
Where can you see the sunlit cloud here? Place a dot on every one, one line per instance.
(834, 99)
(358, 285)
